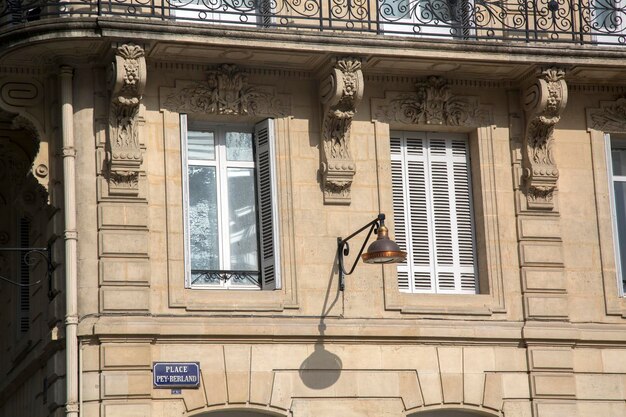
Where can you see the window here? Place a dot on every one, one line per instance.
(432, 208)
(230, 216)
(432, 18)
(617, 174)
(608, 21)
(224, 11)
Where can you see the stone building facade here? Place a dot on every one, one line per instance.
(132, 146)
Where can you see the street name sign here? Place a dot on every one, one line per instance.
(176, 374)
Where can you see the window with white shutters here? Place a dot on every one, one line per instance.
(432, 208)
(231, 231)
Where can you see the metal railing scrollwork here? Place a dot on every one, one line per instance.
(515, 21)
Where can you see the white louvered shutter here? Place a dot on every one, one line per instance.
(401, 228)
(433, 213)
(267, 207)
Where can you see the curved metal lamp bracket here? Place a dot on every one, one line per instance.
(343, 247)
(46, 255)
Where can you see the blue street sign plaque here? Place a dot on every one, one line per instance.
(176, 374)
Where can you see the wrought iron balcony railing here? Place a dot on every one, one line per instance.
(557, 21)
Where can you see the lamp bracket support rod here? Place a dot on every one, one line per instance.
(343, 248)
(46, 254)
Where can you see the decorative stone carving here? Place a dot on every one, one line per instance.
(432, 104)
(341, 92)
(124, 155)
(610, 117)
(226, 91)
(544, 103)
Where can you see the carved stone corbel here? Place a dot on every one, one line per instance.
(124, 155)
(341, 92)
(544, 103)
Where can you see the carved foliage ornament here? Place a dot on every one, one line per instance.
(544, 103)
(341, 92)
(124, 157)
(611, 117)
(226, 91)
(433, 104)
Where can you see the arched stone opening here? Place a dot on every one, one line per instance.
(239, 412)
(24, 222)
(453, 412)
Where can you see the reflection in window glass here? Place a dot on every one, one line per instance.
(222, 213)
(242, 219)
(200, 145)
(203, 229)
(618, 170)
(620, 214)
(618, 156)
(238, 146)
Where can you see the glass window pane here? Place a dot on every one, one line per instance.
(618, 156)
(203, 226)
(395, 9)
(238, 146)
(620, 213)
(200, 145)
(242, 219)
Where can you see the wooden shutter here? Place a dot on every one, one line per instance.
(433, 213)
(266, 203)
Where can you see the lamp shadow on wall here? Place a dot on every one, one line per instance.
(322, 368)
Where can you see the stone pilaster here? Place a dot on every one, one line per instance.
(540, 245)
(123, 214)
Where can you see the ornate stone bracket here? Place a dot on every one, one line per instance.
(433, 103)
(226, 91)
(124, 156)
(340, 94)
(544, 103)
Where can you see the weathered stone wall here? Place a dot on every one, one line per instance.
(544, 337)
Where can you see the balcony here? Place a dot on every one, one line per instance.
(581, 22)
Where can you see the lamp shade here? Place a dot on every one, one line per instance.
(383, 250)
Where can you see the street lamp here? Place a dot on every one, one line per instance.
(382, 251)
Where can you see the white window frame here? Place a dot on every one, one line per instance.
(428, 267)
(221, 164)
(612, 180)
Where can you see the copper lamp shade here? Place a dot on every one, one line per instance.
(383, 250)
